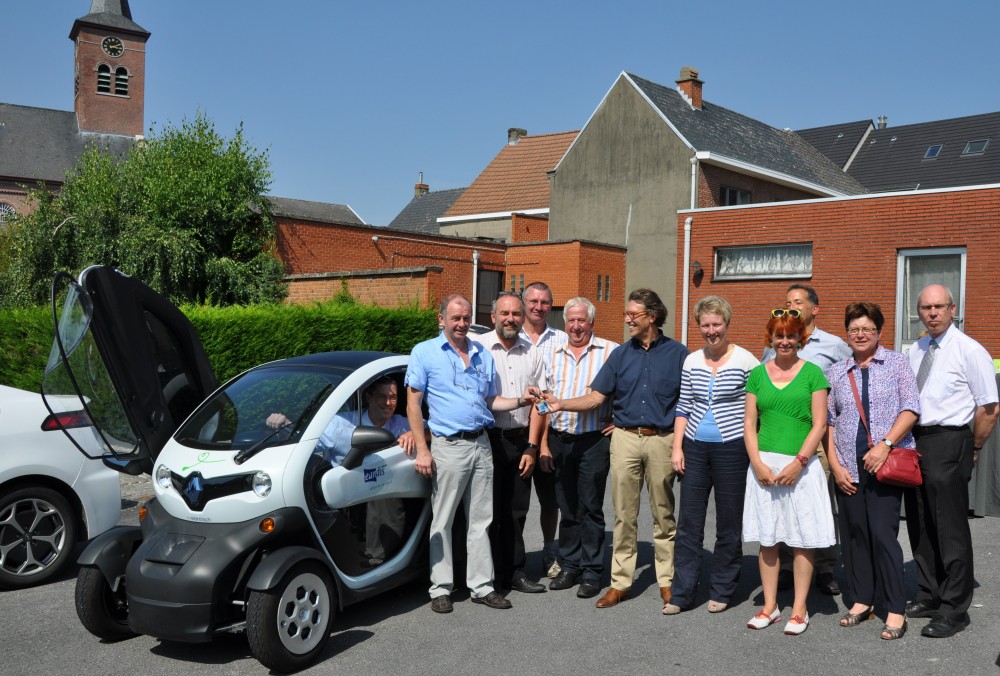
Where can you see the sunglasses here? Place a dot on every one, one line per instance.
(781, 312)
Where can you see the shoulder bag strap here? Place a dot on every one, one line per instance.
(861, 409)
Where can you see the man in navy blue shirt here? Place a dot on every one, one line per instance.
(643, 379)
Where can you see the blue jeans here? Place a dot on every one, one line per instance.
(708, 465)
(581, 467)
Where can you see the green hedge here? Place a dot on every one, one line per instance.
(236, 338)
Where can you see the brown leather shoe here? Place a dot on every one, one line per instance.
(612, 598)
(665, 594)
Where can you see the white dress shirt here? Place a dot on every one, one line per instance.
(961, 379)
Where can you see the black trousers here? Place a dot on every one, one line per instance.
(582, 464)
(869, 542)
(511, 498)
(937, 520)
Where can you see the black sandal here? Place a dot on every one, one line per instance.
(854, 619)
(893, 632)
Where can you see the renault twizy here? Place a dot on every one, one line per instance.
(257, 529)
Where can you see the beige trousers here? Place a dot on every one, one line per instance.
(635, 460)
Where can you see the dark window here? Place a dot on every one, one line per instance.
(104, 79)
(732, 196)
(121, 81)
(600, 289)
(933, 152)
(976, 147)
(607, 287)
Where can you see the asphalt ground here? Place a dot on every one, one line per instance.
(550, 633)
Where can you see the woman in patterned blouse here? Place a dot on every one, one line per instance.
(869, 509)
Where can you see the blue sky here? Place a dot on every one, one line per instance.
(353, 100)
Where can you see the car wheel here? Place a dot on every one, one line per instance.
(37, 535)
(102, 611)
(288, 626)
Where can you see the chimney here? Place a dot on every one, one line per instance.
(514, 135)
(690, 86)
(883, 122)
(421, 188)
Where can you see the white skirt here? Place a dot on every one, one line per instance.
(798, 515)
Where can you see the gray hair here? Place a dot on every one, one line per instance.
(511, 294)
(580, 300)
(447, 301)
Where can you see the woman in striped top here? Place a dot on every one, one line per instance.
(709, 454)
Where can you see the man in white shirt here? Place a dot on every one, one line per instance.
(957, 385)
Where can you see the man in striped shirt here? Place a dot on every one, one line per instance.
(579, 451)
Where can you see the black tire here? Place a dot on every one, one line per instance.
(288, 626)
(38, 531)
(102, 611)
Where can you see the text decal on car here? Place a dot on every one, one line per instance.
(377, 473)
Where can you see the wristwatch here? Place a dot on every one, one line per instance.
(889, 444)
(803, 460)
(532, 447)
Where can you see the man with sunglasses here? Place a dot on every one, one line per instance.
(823, 349)
(642, 377)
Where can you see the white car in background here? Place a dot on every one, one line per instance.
(51, 496)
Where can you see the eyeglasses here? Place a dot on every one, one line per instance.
(928, 308)
(632, 316)
(781, 312)
(858, 330)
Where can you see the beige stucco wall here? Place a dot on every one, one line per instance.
(493, 229)
(626, 159)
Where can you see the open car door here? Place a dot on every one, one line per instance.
(131, 357)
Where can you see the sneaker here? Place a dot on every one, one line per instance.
(762, 619)
(797, 624)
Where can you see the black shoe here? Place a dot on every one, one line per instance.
(785, 579)
(564, 580)
(441, 604)
(492, 600)
(521, 583)
(943, 627)
(589, 589)
(921, 609)
(826, 583)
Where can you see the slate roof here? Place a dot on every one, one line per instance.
(893, 158)
(110, 13)
(421, 214)
(837, 141)
(321, 212)
(729, 134)
(517, 178)
(42, 144)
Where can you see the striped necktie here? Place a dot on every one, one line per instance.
(925, 365)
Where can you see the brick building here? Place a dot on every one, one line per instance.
(880, 247)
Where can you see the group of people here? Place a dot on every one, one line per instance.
(787, 444)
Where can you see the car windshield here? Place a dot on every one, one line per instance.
(235, 418)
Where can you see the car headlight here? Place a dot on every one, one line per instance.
(163, 477)
(262, 484)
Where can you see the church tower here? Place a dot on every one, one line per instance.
(110, 69)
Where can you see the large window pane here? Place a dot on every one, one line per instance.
(920, 268)
(779, 260)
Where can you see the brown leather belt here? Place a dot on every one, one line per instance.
(648, 431)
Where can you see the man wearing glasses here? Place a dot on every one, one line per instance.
(459, 380)
(642, 377)
(823, 349)
(957, 386)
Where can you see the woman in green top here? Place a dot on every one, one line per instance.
(786, 499)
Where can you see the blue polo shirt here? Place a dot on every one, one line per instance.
(644, 385)
(455, 394)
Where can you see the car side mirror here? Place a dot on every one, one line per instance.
(365, 441)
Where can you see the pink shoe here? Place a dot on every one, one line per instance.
(762, 619)
(797, 624)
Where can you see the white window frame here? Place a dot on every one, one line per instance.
(902, 302)
(778, 274)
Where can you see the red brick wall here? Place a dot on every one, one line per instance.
(529, 228)
(712, 178)
(386, 289)
(107, 112)
(855, 245)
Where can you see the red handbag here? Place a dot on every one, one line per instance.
(902, 466)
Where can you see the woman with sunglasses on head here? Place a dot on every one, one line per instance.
(786, 496)
(709, 454)
(869, 509)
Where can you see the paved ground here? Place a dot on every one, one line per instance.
(551, 633)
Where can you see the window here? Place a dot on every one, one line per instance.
(490, 283)
(121, 81)
(7, 212)
(754, 262)
(603, 287)
(933, 151)
(104, 79)
(732, 196)
(976, 147)
(916, 268)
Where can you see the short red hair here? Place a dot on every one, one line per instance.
(786, 324)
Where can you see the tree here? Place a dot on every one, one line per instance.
(184, 212)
